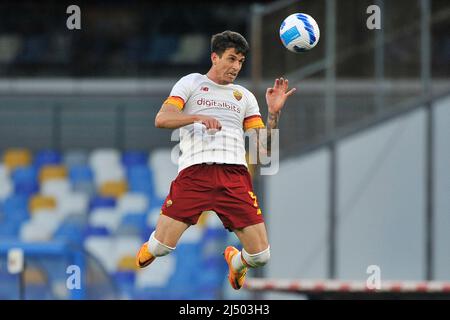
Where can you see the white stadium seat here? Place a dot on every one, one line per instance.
(56, 188)
(164, 170)
(132, 202)
(105, 217)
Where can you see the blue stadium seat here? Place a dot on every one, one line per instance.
(25, 180)
(20, 174)
(184, 280)
(80, 173)
(133, 158)
(214, 240)
(102, 202)
(9, 290)
(140, 171)
(214, 268)
(69, 232)
(9, 229)
(17, 215)
(134, 224)
(47, 157)
(134, 219)
(146, 232)
(26, 188)
(95, 231)
(140, 179)
(15, 202)
(124, 280)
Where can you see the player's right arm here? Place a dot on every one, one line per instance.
(171, 117)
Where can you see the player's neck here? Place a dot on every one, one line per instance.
(212, 75)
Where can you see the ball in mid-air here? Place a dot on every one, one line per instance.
(299, 32)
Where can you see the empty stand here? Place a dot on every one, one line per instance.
(106, 203)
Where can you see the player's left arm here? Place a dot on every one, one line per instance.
(276, 98)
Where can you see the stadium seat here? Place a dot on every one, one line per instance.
(4, 171)
(9, 229)
(26, 188)
(140, 171)
(38, 202)
(74, 158)
(102, 202)
(109, 172)
(124, 280)
(41, 226)
(102, 248)
(188, 256)
(134, 158)
(113, 188)
(152, 217)
(127, 263)
(73, 203)
(79, 173)
(158, 275)
(56, 188)
(47, 157)
(24, 174)
(165, 171)
(25, 180)
(90, 231)
(104, 157)
(69, 231)
(76, 219)
(19, 157)
(132, 202)
(49, 172)
(16, 216)
(126, 247)
(86, 187)
(15, 202)
(6, 188)
(140, 179)
(105, 217)
(133, 224)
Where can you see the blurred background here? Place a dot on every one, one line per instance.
(364, 174)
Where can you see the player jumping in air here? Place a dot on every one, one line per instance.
(212, 172)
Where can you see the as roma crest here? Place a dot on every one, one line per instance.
(237, 94)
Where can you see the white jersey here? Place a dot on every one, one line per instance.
(232, 105)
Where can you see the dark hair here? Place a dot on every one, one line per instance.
(229, 39)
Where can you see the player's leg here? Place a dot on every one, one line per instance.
(255, 253)
(253, 238)
(238, 208)
(186, 200)
(162, 241)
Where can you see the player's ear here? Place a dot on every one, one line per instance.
(214, 58)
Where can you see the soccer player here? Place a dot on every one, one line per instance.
(212, 173)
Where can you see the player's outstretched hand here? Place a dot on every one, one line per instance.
(277, 95)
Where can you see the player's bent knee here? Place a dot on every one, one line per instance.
(257, 259)
(156, 248)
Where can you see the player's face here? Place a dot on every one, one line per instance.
(229, 65)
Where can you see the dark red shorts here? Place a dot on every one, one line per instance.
(223, 188)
